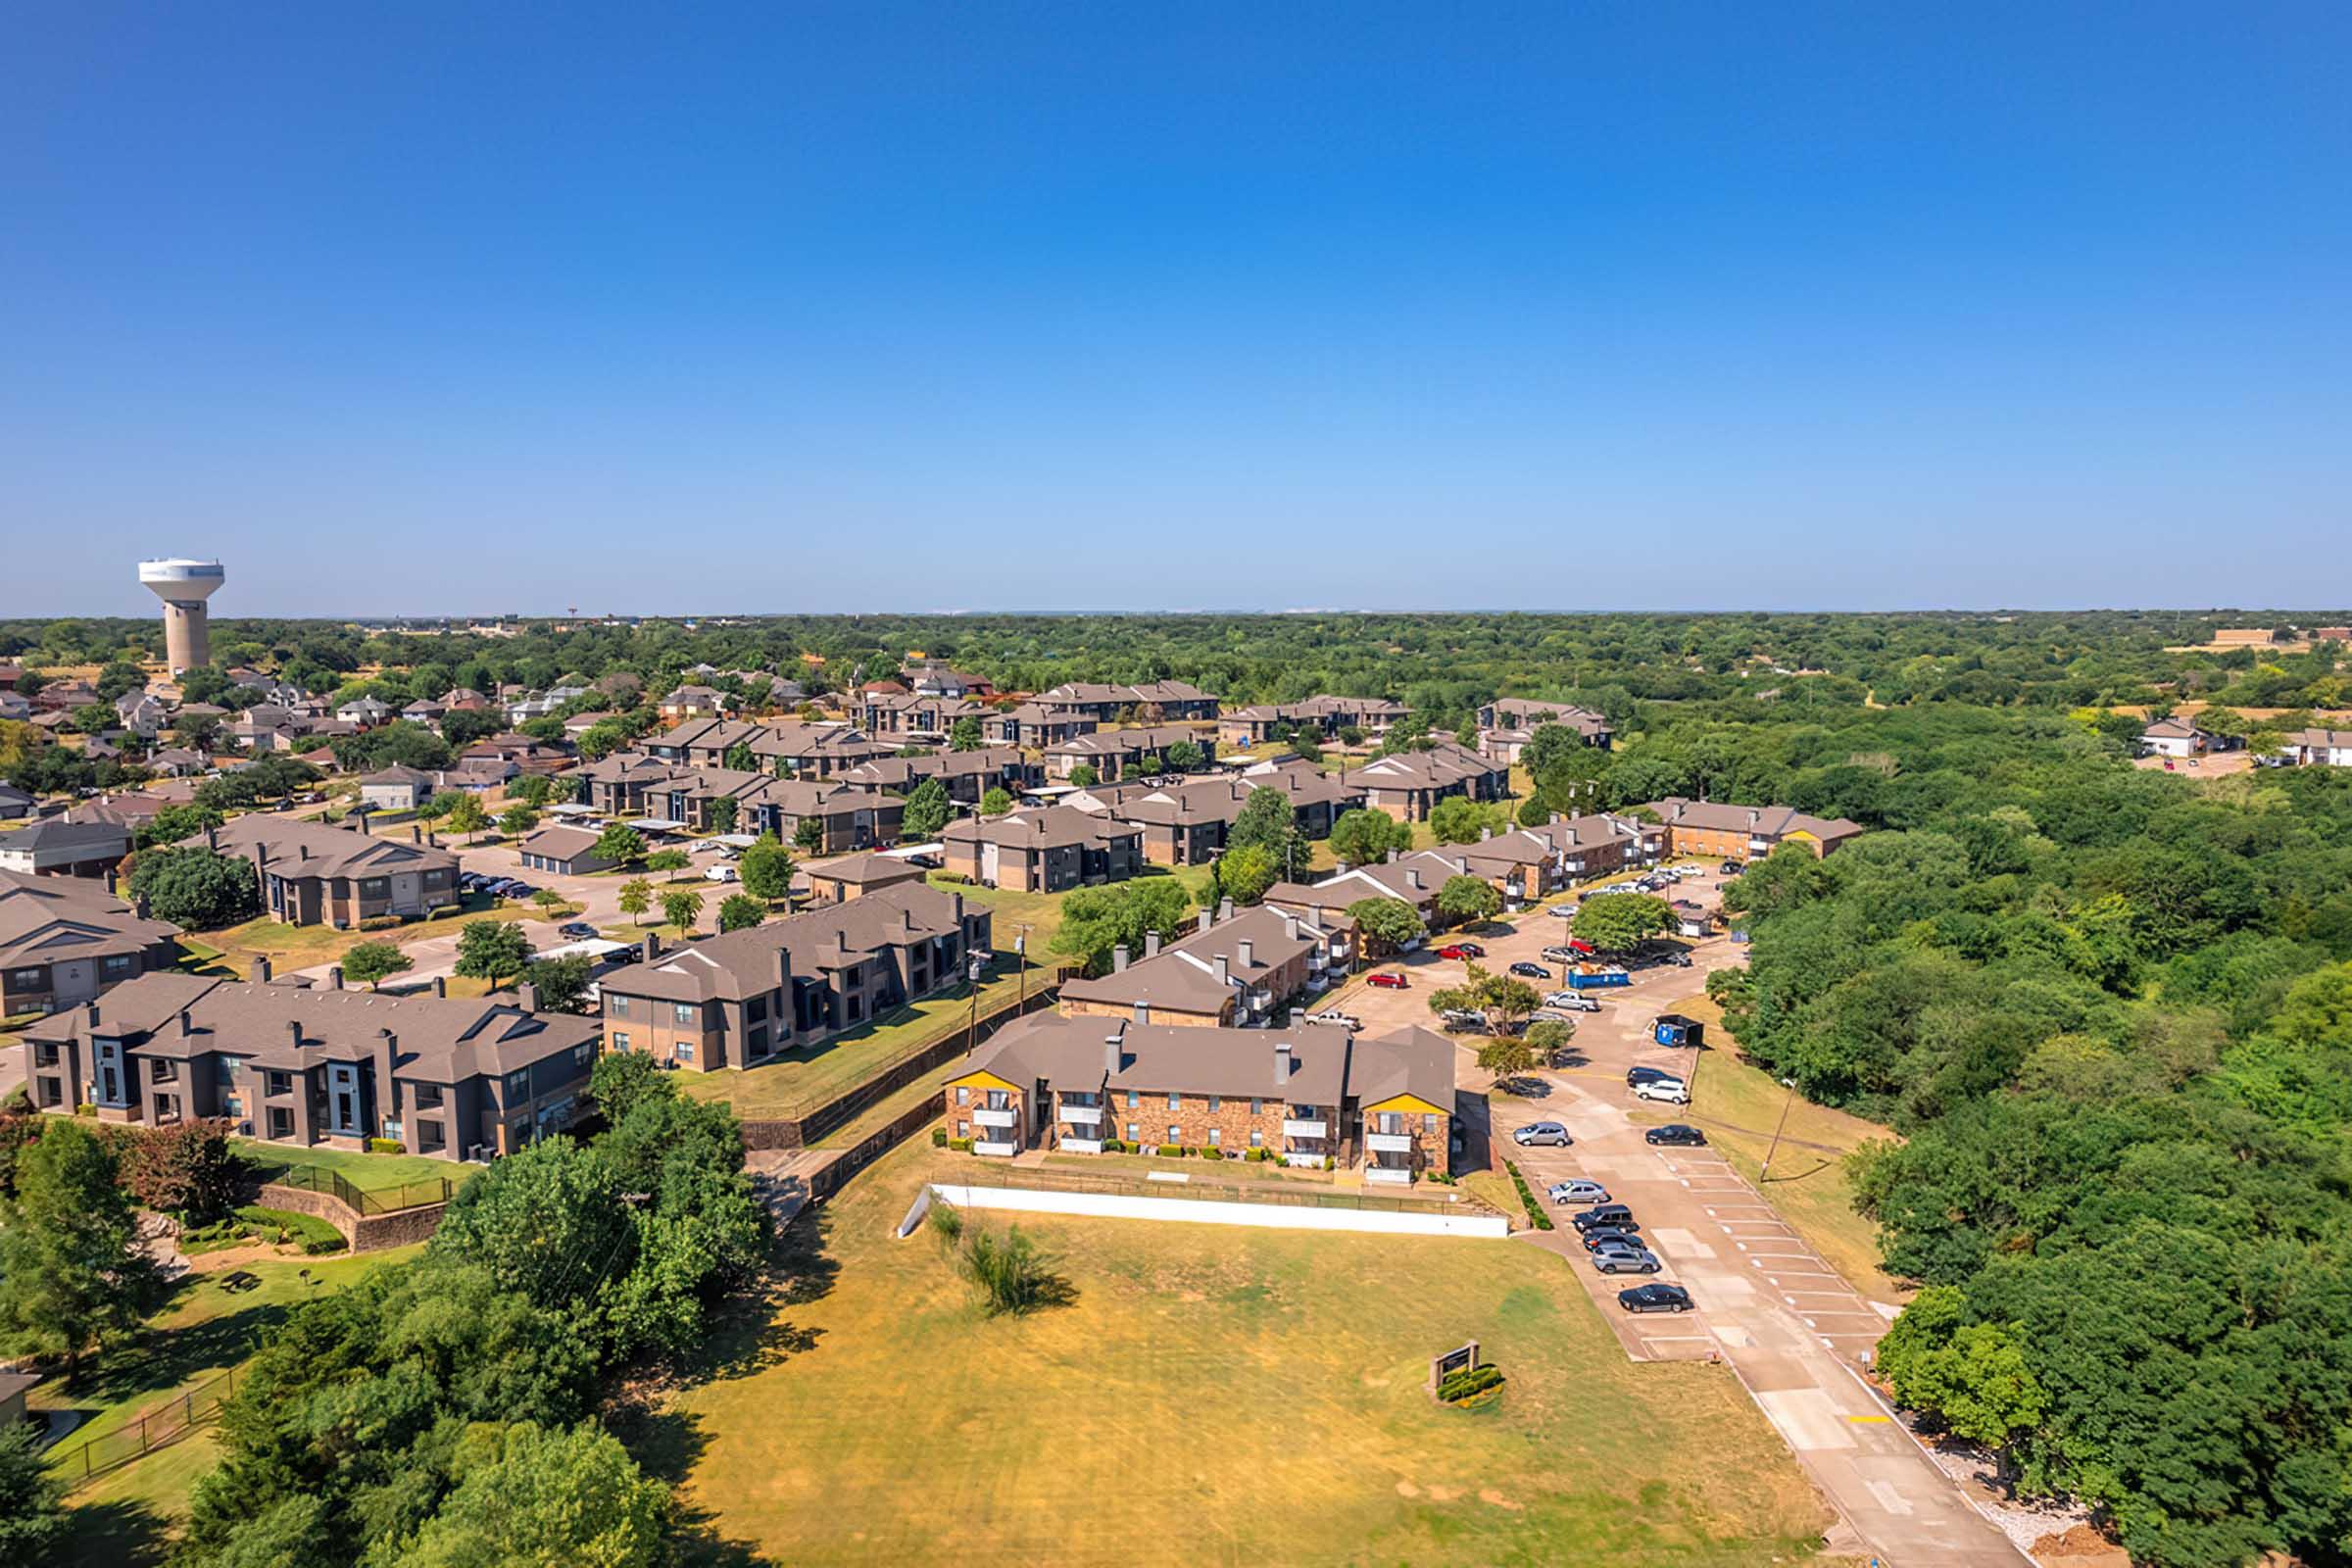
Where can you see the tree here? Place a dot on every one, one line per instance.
(637, 897)
(1384, 924)
(173, 823)
(740, 759)
(1458, 819)
(808, 835)
(532, 789)
(197, 889)
(538, 1499)
(551, 902)
(682, 908)
(1084, 777)
(1622, 920)
(669, 860)
(70, 1268)
(184, 1167)
(721, 813)
(964, 735)
(466, 817)
(562, 983)
(488, 949)
(33, 1527)
(1096, 921)
(927, 810)
(1503, 1000)
(516, 821)
(1550, 1036)
(1363, 836)
(1509, 1056)
(767, 868)
(620, 845)
(1469, 899)
(740, 910)
(997, 802)
(1184, 756)
(1244, 874)
(1268, 821)
(371, 963)
(1974, 1379)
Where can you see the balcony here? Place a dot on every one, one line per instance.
(1260, 999)
(1305, 1129)
(1389, 1142)
(1082, 1146)
(1005, 1118)
(1388, 1176)
(1080, 1116)
(1303, 1159)
(1003, 1151)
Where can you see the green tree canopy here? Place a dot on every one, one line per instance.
(491, 950)
(1621, 921)
(767, 868)
(928, 809)
(1468, 898)
(619, 844)
(371, 964)
(197, 889)
(1363, 836)
(1387, 923)
(738, 912)
(71, 1270)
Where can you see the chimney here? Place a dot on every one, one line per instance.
(416, 835)
(1484, 833)
(211, 838)
(139, 905)
(1118, 958)
(187, 1026)
(1248, 952)
(440, 985)
(1290, 925)
(359, 822)
(1282, 1062)
(651, 947)
(334, 977)
(529, 995)
(1557, 819)
(1111, 1043)
(1413, 877)
(1224, 977)
(1208, 917)
(1150, 944)
(304, 851)
(1224, 910)
(1392, 857)
(294, 1029)
(1143, 1013)
(90, 1014)
(1753, 817)
(261, 970)
(783, 970)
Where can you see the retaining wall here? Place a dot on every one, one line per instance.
(365, 1232)
(1202, 1211)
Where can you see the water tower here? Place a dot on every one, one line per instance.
(183, 586)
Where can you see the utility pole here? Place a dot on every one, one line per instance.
(1765, 1174)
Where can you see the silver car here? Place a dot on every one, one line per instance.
(1612, 1258)
(1577, 1192)
(1541, 1132)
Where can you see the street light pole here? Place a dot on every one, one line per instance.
(1765, 1174)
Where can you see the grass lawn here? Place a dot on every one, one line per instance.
(799, 1080)
(367, 1173)
(123, 1516)
(232, 949)
(1216, 1395)
(1739, 1104)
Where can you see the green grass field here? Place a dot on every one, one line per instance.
(1214, 1396)
(369, 1172)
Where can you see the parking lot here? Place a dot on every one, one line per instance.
(1764, 1301)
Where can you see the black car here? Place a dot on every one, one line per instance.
(1607, 1216)
(1655, 1299)
(577, 928)
(1594, 1241)
(1732, 867)
(1675, 1133)
(1533, 971)
(1636, 1077)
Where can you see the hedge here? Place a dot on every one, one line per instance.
(1535, 1211)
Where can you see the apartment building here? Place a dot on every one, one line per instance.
(63, 940)
(1315, 1096)
(1261, 722)
(1508, 723)
(854, 876)
(743, 998)
(1317, 797)
(1185, 824)
(2327, 747)
(847, 817)
(58, 848)
(1036, 725)
(804, 749)
(1408, 785)
(314, 874)
(1229, 971)
(1152, 701)
(915, 715)
(1113, 752)
(1048, 849)
(1744, 832)
(316, 1066)
(967, 776)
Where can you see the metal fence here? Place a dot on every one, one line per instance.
(1272, 1190)
(361, 1199)
(165, 1423)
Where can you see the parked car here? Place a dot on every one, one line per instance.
(1533, 971)
(1461, 950)
(1665, 1091)
(1560, 954)
(1655, 1299)
(1582, 949)
(519, 889)
(1731, 868)
(1389, 980)
(1636, 1077)
(721, 873)
(1457, 1022)
(1594, 1241)
(1608, 1216)
(1675, 1134)
(1345, 1019)
(1563, 912)
(1625, 1261)
(1549, 1134)
(577, 928)
(1579, 1190)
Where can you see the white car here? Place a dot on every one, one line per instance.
(1349, 1020)
(722, 873)
(1666, 1091)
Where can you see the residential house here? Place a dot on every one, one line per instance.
(2181, 737)
(917, 715)
(1717, 829)
(64, 940)
(177, 761)
(1316, 1094)
(1229, 971)
(746, 997)
(1151, 701)
(1408, 785)
(14, 707)
(1036, 725)
(1044, 849)
(59, 847)
(930, 678)
(1507, 724)
(2329, 747)
(14, 804)
(396, 789)
(130, 810)
(967, 776)
(693, 702)
(317, 1067)
(854, 876)
(426, 712)
(142, 713)
(1256, 725)
(565, 851)
(1112, 752)
(314, 874)
(521, 753)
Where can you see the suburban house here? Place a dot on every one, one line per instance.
(739, 999)
(424, 710)
(693, 702)
(967, 776)
(1151, 701)
(565, 851)
(1315, 1096)
(1230, 971)
(519, 753)
(316, 1067)
(59, 847)
(314, 874)
(396, 789)
(1256, 725)
(854, 876)
(1408, 785)
(365, 711)
(142, 715)
(931, 678)
(1110, 752)
(1036, 725)
(1046, 849)
(14, 804)
(1744, 832)
(64, 940)
(1507, 725)
(177, 761)
(132, 810)
(2181, 737)
(2332, 747)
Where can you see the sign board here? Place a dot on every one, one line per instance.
(1442, 1367)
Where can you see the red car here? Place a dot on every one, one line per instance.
(1390, 980)
(1462, 950)
(1583, 946)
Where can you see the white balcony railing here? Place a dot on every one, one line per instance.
(1003, 1151)
(1082, 1146)
(1305, 1129)
(1387, 1175)
(1389, 1142)
(985, 1117)
(1082, 1115)
(1305, 1160)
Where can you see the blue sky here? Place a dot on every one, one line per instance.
(825, 307)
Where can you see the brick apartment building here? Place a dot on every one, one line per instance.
(1257, 725)
(1048, 849)
(65, 939)
(1507, 724)
(1151, 701)
(967, 776)
(1715, 828)
(1113, 752)
(314, 874)
(1408, 785)
(1230, 970)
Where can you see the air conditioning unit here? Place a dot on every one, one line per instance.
(244, 1129)
(480, 1153)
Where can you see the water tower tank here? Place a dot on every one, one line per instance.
(183, 586)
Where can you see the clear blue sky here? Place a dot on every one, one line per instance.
(419, 308)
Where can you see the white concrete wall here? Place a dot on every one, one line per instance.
(1204, 1211)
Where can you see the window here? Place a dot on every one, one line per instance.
(1216, 1136)
(1175, 1102)
(1133, 1099)
(580, 1054)
(277, 1083)
(964, 1129)
(1175, 1134)
(118, 963)
(683, 1050)
(163, 1072)
(1429, 1125)
(999, 1099)
(849, 976)
(519, 1085)
(1216, 1102)
(429, 1138)
(616, 1007)
(1257, 1106)
(1257, 1140)
(1132, 1135)
(621, 1040)
(282, 1122)
(29, 979)
(686, 1014)
(53, 1093)
(964, 1096)
(427, 1096)
(755, 1010)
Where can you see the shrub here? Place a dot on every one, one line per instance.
(1527, 1198)
(1112, 1146)
(961, 1145)
(1011, 1275)
(1212, 1151)
(1469, 1383)
(1171, 1151)
(86, 1108)
(939, 1138)
(951, 878)
(381, 923)
(385, 1145)
(947, 1223)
